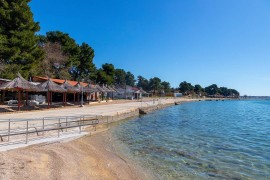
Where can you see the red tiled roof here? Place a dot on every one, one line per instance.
(135, 88)
(58, 81)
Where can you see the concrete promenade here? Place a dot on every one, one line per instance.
(105, 109)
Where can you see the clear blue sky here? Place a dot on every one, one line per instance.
(226, 42)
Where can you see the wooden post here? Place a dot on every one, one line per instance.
(107, 121)
(63, 94)
(66, 124)
(19, 100)
(8, 129)
(3, 96)
(65, 98)
(48, 99)
(26, 98)
(59, 125)
(80, 127)
(43, 125)
(51, 98)
(26, 140)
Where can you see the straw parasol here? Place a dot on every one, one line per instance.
(81, 90)
(112, 89)
(106, 88)
(19, 84)
(79, 86)
(69, 87)
(90, 88)
(49, 86)
(100, 88)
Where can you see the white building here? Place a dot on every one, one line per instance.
(128, 92)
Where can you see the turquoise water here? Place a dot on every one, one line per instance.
(202, 140)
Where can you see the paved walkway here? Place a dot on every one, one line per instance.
(106, 110)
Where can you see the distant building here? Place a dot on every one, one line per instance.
(178, 94)
(128, 92)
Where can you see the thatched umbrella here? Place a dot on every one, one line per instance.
(112, 90)
(49, 86)
(106, 88)
(102, 89)
(90, 88)
(70, 89)
(19, 84)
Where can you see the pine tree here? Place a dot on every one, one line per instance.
(86, 68)
(19, 50)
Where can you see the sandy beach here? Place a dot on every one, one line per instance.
(89, 157)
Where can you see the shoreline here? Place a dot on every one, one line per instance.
(93, 155)
(89, 157)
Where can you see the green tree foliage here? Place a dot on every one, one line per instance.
(198, 89)
(130, 79)
(185, 88)
(155, 84)
(103, 78)
(212, 89)
(86, 68)
(120, 76)
(108, 69)
(143, 83)
(106, 74)
(234, 93)
(224, 91)
(228, 92)
(18, 43)
(166, 86)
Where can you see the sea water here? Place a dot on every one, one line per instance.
(202, 140)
